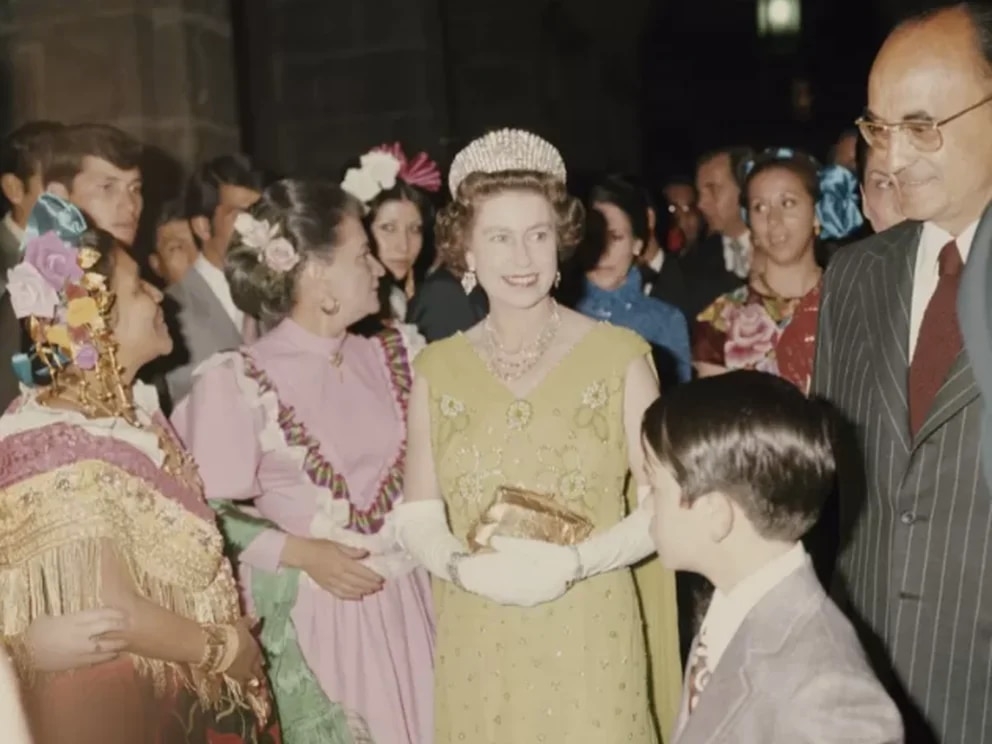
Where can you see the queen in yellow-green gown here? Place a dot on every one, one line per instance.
(581, 668)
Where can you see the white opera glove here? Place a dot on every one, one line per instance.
(624, 544)
(506, 578)
(421, 529)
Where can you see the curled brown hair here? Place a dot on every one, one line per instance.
(454, 223)
(308, 215)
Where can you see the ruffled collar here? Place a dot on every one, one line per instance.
(630, 291)
(292, 333)
(30, 414)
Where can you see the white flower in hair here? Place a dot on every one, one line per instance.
(274, 251)
(254, 233)
(360, 184)
(382, 166)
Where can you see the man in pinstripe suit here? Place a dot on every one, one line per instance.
(916, 566)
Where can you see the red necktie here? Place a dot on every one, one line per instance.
(939, 341)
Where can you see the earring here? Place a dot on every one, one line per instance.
(557, 279)
(469, 281)
(333, 309)
(816, 229)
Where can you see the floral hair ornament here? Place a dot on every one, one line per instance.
(838, 210)
(273, 249)
(382, 166)
(65, 304)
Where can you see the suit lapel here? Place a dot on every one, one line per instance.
(764, 633)
(886, 301)
(211, 309)
(958, 390)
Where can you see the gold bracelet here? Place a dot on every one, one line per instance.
(232, 645)
(215, 648)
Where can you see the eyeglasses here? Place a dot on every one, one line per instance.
(923, 134)
(680, 208)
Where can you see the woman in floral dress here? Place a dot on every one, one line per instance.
(770, 324)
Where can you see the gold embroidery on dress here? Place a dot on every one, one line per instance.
(54, 528)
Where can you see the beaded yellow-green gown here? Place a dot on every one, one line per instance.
(575, 669)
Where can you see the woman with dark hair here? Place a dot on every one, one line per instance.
(398, 214)
(309, 424)
(790, 204)
(613, 289)
(102, 510)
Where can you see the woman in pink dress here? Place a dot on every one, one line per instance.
(308, 424)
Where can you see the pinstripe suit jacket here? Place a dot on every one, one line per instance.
(916, 566)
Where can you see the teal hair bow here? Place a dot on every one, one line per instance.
(54, 214)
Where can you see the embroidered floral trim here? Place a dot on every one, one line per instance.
(317, 468)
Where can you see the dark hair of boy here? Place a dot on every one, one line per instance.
(753, 437)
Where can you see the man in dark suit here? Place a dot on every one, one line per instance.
(661, 272)
(721, 262)
(917, 567)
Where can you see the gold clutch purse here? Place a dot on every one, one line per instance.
(516, 512)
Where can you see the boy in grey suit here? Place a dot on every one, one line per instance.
(740, 465)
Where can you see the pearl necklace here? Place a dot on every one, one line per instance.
(512, 365)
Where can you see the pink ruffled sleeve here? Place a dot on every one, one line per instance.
(220, 428)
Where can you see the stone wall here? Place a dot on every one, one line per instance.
(160, 69)
(331, 79)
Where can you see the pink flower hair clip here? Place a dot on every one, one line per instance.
(274, 250)
(421, 171)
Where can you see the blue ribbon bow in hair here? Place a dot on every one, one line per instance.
(54, 214)
(839, 209)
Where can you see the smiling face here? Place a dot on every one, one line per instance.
(880, 196)
(398, 229)
(513, 248)
(928, 72)
(782, 216)
(137, 319)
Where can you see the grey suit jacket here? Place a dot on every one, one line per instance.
(916, 513)
(975, 316)
(794, 672)
(205, 327)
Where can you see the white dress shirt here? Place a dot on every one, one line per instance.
(926, 273)
(728, 610)
(217, 282)
(655, 264)
(737, 254)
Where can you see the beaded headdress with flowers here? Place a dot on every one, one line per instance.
(382, 166)
(65, 303)
(506, 150)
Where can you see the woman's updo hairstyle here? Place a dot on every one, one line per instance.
(307, 214)
(453, 227)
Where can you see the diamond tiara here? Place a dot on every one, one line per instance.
(506, 150)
